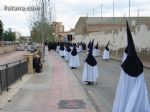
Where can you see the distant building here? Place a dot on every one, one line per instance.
(87, 25)
(25, 39)
(58, 30)
(17, 35)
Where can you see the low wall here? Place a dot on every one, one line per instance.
(6, 49)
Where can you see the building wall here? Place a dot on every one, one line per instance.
(97, 24)
(58, 28)
(80, 27)
(118, 41)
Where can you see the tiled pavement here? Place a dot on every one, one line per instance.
(49, 90)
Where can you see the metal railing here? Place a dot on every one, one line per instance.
(11, 72)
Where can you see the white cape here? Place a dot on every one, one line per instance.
(80, 48)
(96, 52)
(67, 55)
(131, 94)
(57, 49)
(74, 61)
(90, 73)
(62, 53)
(106, 54)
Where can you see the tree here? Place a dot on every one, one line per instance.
(1, 30)
(36, 33)
(9, 36)
(40, 22)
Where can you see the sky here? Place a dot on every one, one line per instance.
(69, 11)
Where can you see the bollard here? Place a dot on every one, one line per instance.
(29, 58)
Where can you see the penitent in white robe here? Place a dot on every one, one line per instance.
(106, 55)
(131, 94)
(96, 52)
(90, 73)
(80, 48)
(67, 55)
(74, 61)
(57, 49)
(62, 53)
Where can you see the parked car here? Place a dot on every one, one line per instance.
(20, 48)
(30, 48)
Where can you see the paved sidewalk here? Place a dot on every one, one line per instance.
(56, 89)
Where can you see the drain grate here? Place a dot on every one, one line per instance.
(71, 104)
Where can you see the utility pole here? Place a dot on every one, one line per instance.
(113, 21)
(138, 13)
(87, 14)
(93, 12)
(101, 10)
(129, 8)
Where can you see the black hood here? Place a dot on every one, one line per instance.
(96, 47)
(107, 48)
(74, 51)
(61, 47)
(132, 64)
(90, 60)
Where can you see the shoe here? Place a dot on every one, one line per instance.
(88, 83)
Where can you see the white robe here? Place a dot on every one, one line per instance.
(80, 48)
(131, 94)
(96, 52)
(62, 53)
(74, 61)
(106, 54)
(90, 73)
(67, 55)
(57, 49)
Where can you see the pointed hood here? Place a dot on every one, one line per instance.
(132, 64)
(61, 47)
(89, 44)
(74, 51)
(90, 58)
(107, 46)
(96, 47)
(68, 48)
(126, 50)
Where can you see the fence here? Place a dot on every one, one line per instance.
(11, 72)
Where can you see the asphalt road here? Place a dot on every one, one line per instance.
(102, 94)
